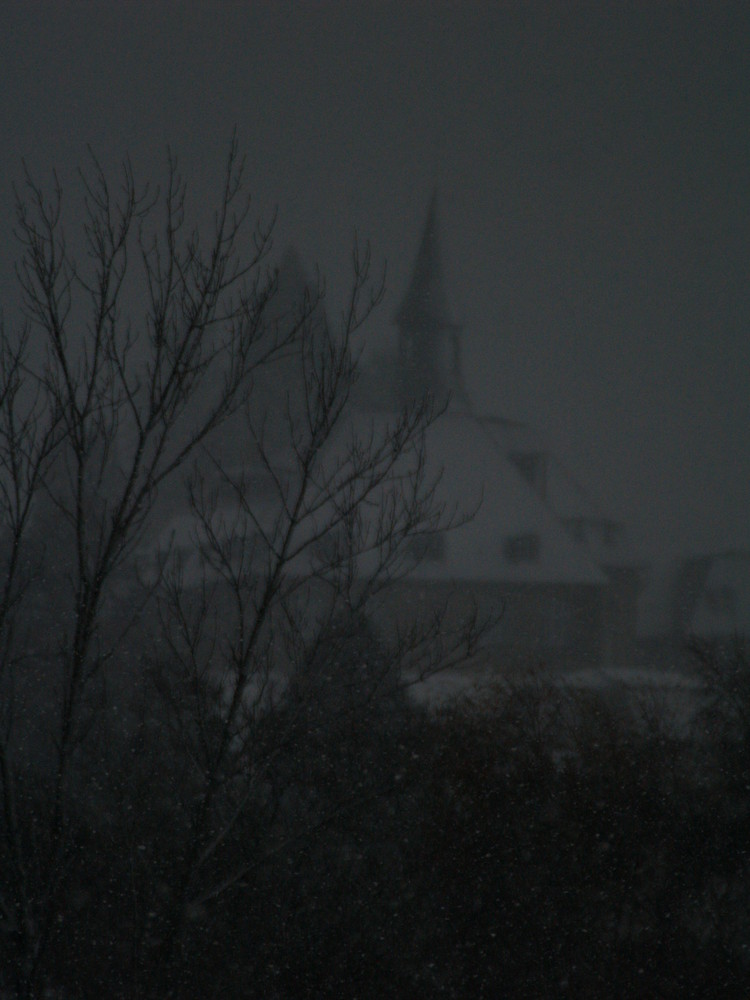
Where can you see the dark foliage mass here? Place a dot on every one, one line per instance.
(542, 846)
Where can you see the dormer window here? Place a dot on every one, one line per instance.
(533, 467)
(521, 548)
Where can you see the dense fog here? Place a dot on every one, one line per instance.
(374, 463)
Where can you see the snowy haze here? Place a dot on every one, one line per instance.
(592, 162)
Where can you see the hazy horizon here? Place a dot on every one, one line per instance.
(592, 165)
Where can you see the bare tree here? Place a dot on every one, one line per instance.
(132, 359)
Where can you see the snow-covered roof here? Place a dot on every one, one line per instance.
(571, 504)
(565, 496)
(503, 531)
(511, 536)
(723, 606)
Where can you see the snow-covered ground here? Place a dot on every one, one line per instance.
(677, 693)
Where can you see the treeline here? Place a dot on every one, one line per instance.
(547, 845)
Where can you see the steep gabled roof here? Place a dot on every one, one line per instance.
(507, 516)
(604, 536)
(503, 531)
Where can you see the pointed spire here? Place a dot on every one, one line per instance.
(425, 303)
(429, 346)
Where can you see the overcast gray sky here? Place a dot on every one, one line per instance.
(593, 168)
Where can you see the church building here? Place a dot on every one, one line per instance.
(525, 546)
(534, 548)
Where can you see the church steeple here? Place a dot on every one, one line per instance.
(428, 337)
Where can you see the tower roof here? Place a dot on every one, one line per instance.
(425, 303)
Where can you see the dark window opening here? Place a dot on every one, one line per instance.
(521, 548)
(722, 600)
(533, 467)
